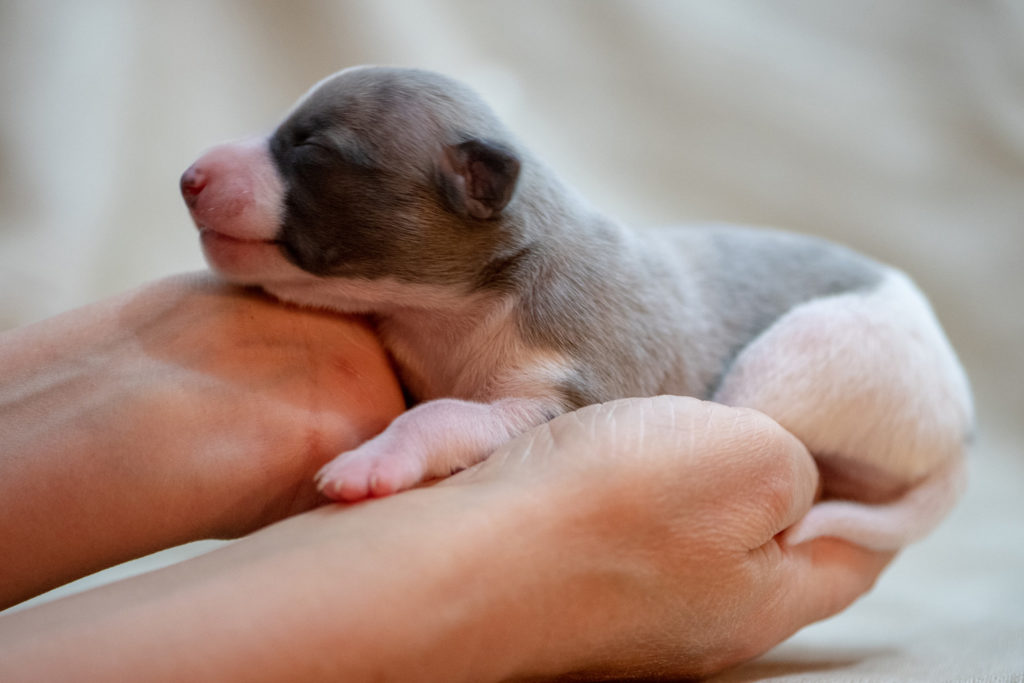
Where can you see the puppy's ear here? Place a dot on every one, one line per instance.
(478, 178)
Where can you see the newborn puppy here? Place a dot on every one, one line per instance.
(505, 300)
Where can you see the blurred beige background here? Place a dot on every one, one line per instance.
(896, 127)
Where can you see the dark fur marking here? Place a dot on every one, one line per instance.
(364, 205)
(503, 271)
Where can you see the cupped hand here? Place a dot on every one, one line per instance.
(679, 508)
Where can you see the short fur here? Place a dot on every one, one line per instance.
(505, 300)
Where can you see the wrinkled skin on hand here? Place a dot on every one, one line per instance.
(682, 504)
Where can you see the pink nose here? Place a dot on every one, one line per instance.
(193, 181)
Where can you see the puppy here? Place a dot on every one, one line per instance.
(505, 300)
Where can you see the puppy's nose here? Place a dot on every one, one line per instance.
(193, 181)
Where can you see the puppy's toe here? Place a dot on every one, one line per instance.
(355, 476)
(344, 487)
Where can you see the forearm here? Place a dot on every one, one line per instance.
(178, 412)
(475, 583)
(566, 552)
(446, 584)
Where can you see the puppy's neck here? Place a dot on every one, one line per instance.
(454, 349)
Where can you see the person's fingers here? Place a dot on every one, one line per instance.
(802, 584)
(696, 495)
(827, 574)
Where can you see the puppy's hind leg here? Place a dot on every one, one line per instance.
(869, 383)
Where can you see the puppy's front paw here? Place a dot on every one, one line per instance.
(432, 440)
(369, 471)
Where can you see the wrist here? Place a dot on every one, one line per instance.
(183, 410)
(542, 588)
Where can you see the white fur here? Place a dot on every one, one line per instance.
(447, 341)
(433, 439)
(866, 380)
(869, 376)
(359, 295)
(886, 526)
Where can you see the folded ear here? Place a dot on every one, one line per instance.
(478, 178)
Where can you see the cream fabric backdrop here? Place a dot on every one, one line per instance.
(896, 127)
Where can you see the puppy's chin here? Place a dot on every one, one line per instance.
(244, 262)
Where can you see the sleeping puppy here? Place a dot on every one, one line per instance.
(505, 300)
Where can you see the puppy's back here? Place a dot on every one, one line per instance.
(668, 310)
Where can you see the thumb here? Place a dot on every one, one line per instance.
(826, 575)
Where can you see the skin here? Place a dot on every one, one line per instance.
(637, 538)
(187, 409)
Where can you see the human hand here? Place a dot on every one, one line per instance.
(268, 392)
(186, 409)
(634, 539)
(672, 515)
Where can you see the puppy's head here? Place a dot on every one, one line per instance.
(376, 174)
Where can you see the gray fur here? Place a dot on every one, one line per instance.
(398, 194)
(362, 160)
(666, 314)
